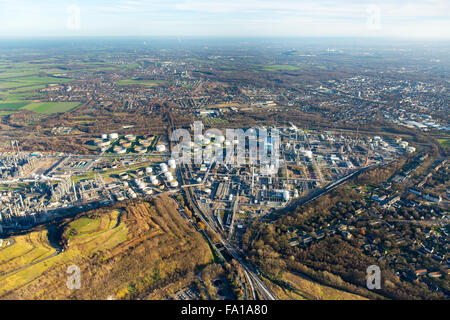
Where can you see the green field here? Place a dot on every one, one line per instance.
(26, 249)
(12, 105)
(21, 81)
(214, 121)
(39, 107)
(51, 107)
(280, 67)
(444, 142)
(146, 83)
(14, 81)
(6, 113)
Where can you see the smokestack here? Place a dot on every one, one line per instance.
(74, 191)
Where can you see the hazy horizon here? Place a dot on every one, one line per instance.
(253, 18)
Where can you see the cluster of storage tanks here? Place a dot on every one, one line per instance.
(143, 187)
(168, 174)
(211, 141)
(105, 140)
(126, 143)
(208, 142)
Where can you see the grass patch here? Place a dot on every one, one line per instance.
(280, 67)
(51, 107)
(6, 113)
(444, 142)
(25, 250)
(297, 287)
(12, 105)
(214, 121)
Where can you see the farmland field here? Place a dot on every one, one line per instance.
(12, 105)
(281, 68)
(26, 81)
(20, 82)
(51, 107)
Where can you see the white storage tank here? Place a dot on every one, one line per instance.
(130, 137)
(410, 149)
(113, 135)
(172, 163)
(120, 150)
(148, 170)
(174, 184)
(308, 154)
(145, 143)
(142, 186)
(160, 148)
(140, 149)
(168, 174)
(163, 167)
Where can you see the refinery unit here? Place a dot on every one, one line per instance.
(114, 143)
(38, 187)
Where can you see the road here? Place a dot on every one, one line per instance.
(258, 287)
(32, 263)
(328, 188)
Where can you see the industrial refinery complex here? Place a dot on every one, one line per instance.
(37, 187)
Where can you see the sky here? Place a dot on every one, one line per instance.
(226, 18)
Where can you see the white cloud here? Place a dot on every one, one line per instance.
(229, 17)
